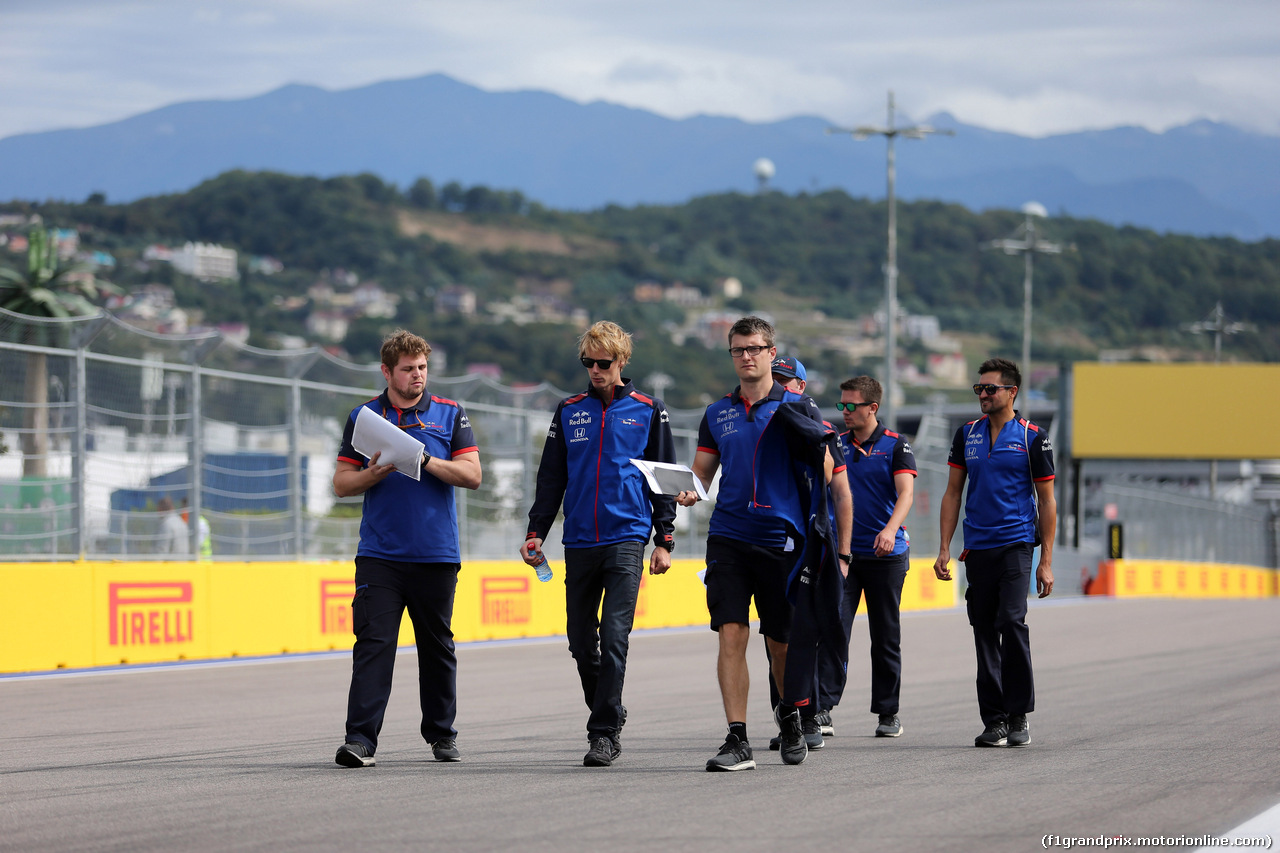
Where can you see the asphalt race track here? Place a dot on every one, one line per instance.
(1156, 717)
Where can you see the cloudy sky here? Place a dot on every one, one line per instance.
(1030, 67)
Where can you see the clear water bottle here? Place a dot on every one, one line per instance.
(542, 567)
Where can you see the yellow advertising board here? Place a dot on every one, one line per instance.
(1180, 579)
(97, 614)
(1156, 411)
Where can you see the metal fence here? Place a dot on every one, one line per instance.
(101, 421)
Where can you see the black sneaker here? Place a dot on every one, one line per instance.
(812, 732)
(615, 745)
(446, 750)
(824, 720)
(775, 742)
(793, 747)
(353, 754)
(890, 726)
(1019, 730)
(734, 755)
(996, 734)
(600, 754)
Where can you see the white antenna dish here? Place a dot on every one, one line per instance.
(764, 169)
(1035, 208)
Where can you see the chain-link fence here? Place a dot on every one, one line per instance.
(105, 426)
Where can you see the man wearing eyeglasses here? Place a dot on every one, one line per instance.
(881, 470)
(749, 551)
(608, 516)
(408, 556)
(1010, 508)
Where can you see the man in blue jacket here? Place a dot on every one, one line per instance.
(1010, 508)
(608, 516)
(408, 557)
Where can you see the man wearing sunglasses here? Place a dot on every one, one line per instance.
(749, 550)
(881, 470)
(408, 556)
(1010, 508)
(608, 516)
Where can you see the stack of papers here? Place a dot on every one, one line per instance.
(375, 434)
(665, 478)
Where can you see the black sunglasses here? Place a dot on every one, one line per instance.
(990, 389)
(850, 407)
(602, 363)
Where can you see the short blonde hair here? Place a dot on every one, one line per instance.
(401, 343)
(609, 337)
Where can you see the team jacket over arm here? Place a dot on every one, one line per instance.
(1000, 507)
(405, 519)
(586, 466)
(751, 465)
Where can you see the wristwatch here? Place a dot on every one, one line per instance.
(426, 457)
(848, 558)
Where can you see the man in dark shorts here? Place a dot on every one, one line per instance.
(749, 551)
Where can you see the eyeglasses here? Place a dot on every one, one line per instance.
(602, 363)
(850, 407)
(739, 352)
(990, 389)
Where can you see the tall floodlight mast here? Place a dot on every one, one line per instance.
(1025, 241)
(888, 412)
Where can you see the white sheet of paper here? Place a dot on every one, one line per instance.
(374, 434)
(665, 478)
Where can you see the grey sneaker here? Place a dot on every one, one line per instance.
(812, 732)
(794, 749)
(1019, 730)
(354, 754)
(890, 726)
(446, 750)
(600, 754)
(996, 734)
(824, 720)
(734, 755)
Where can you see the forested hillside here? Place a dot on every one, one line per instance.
(794, 255)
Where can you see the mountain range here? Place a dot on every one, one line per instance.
(1202, 178)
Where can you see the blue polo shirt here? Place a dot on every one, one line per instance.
(1000, 508)
(754, 465)
(871, 467)
(407, 520)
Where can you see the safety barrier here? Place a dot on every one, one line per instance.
(1179, 579)
(86, 614)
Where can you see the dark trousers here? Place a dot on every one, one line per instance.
(999, 583)
(880, 579)
(384, 590)
(599, 643)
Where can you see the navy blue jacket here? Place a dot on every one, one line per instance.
(586, 464)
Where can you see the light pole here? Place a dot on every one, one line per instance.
(888, 413)
(1026, 242)
(1217, 323)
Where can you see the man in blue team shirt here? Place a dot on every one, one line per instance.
(608, 515)
(881, 469)
(749, 553)
(1009, 464)
(408, 556)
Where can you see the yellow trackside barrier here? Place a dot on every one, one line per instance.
(1179, 579)
(98, 614)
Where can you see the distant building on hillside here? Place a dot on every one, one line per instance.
(206, 261)
(456, 299)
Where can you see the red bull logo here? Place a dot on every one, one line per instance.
(505, 601)
(150, 614)
(335, 606)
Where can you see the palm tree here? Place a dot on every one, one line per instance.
(47, 289)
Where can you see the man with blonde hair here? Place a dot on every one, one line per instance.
(608, 516)
(408, 556)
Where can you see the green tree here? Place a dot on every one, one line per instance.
(48, 288)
